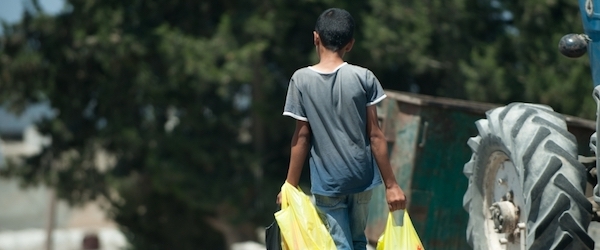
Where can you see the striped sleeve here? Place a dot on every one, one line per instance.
(375, 93)
(293, 102)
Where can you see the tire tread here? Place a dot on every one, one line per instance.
(558, 213)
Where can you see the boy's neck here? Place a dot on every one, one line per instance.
(329, 60)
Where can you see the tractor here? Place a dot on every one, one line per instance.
(527, 183)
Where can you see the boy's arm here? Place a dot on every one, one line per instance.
(300, 147)
(394, 195)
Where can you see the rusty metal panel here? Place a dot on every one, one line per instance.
(428, 150)
(401, 128)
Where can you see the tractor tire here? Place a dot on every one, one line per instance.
(525, 152)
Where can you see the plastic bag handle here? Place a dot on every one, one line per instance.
(398, 216)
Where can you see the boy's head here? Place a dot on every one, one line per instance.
(335, 28)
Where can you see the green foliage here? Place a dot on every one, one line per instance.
(525, 65)
(421, 43)
(185, 96)
(158, 99)
(486, 81)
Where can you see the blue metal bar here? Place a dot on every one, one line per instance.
(590, 15)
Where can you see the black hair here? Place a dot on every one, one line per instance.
(335, 28)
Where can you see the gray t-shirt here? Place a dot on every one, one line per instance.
(335, 105)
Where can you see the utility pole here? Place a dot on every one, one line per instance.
(51, 219)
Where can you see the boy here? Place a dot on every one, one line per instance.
(334, 105)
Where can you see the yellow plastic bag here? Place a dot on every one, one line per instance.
(399, 237)
(300, 225)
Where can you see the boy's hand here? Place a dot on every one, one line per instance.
(395, 198)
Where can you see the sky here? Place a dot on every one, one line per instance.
(11, 11)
